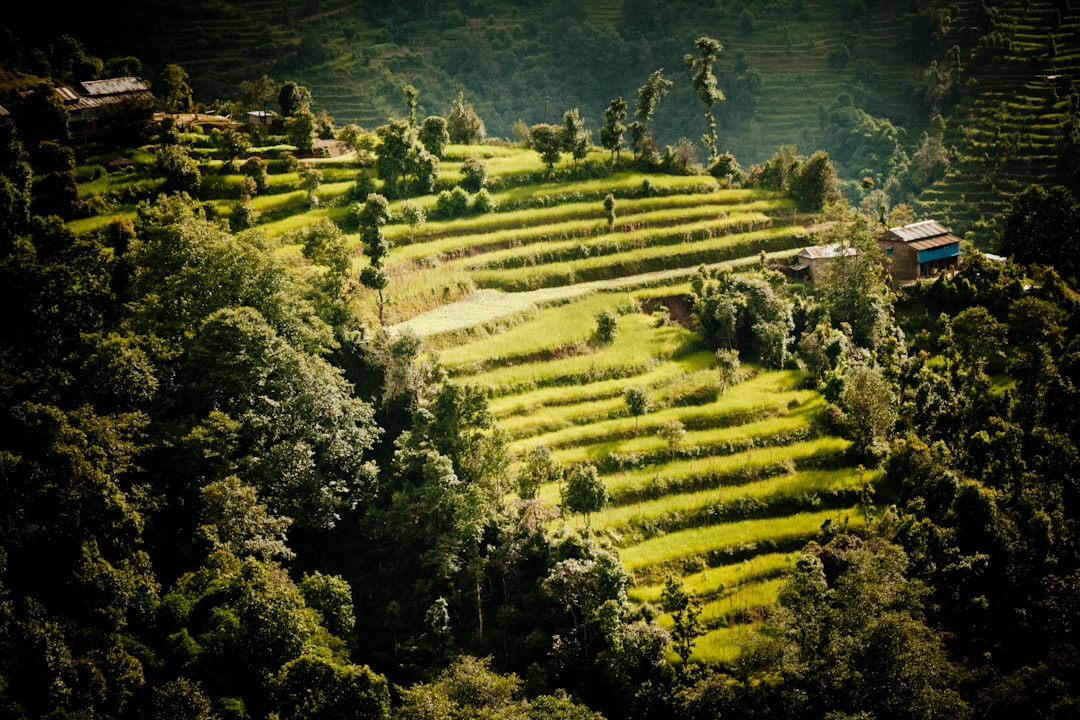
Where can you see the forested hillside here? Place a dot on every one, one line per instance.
(386, 416)
(866, 81)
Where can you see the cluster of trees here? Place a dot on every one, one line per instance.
(251, 509)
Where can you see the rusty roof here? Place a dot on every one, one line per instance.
(921, 235)
(113, 86)
(67, 94)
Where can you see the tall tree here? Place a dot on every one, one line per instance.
(648, 96)
(463, 124)
(611, 133)
(547, 140)
(293, 98)
(374, 214)
(576, 138)
(706, 84)
(172, 91)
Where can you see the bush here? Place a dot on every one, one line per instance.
(483, 202)
(607, 326)
(475, 174)
(452, 203)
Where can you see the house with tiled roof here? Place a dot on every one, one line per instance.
(919, 250)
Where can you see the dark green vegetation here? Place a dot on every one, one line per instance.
(949, 107)
(602, 457)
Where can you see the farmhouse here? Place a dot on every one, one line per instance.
(94, 104)
(811, 260)
(919, 250)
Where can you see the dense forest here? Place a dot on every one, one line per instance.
(376, 416)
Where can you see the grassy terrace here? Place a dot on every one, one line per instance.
(755, 475)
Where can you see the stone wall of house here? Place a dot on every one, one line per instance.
(904, 261)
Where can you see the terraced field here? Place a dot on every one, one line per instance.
(753, 477)
(508, 300)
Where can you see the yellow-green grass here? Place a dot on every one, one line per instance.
(768, 392)
(628, 212)
(792, 485)
(717, 580)
(523, 403)
(722, 645)
(562, 414)
(554, 191)
(641, 260)
(506, 236)
(754, 459)
(552, 329)
(589, 446)
(748, 600)
(553, 418)
(529, 246)
(698, 541)
(639, 346)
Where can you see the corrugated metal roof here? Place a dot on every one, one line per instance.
(919, 230)
(67, 94)
(817, 252)
(934, 242)
(113, 86)
(921, 235)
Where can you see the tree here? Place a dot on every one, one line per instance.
(584, 491)
(258, 93)
(549, 141)
(611, 133)
(816, 182)
(433, 135)
(373, 215)
(411, 96)
(233, 144)
(179, 168)
(234, 520)
(539, 469)
(172, 92)
(403, 162)
(855, 288)
(1035, 228)
(637, 402)
(331, 596)
(851, 637)
(462, 122)
(673, 433)
(869, 404)
(649, 96)
(300, 129)
(576, 138)
(293, 99)
(705, 84)
(727, 366)
(685, 612)
(310, 180)
(316, 688)
(359, 141)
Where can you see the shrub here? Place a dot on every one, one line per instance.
(452, 203)
(607, 326)
(475, 174)
(483, 202)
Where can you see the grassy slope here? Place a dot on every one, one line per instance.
(1005, 128)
